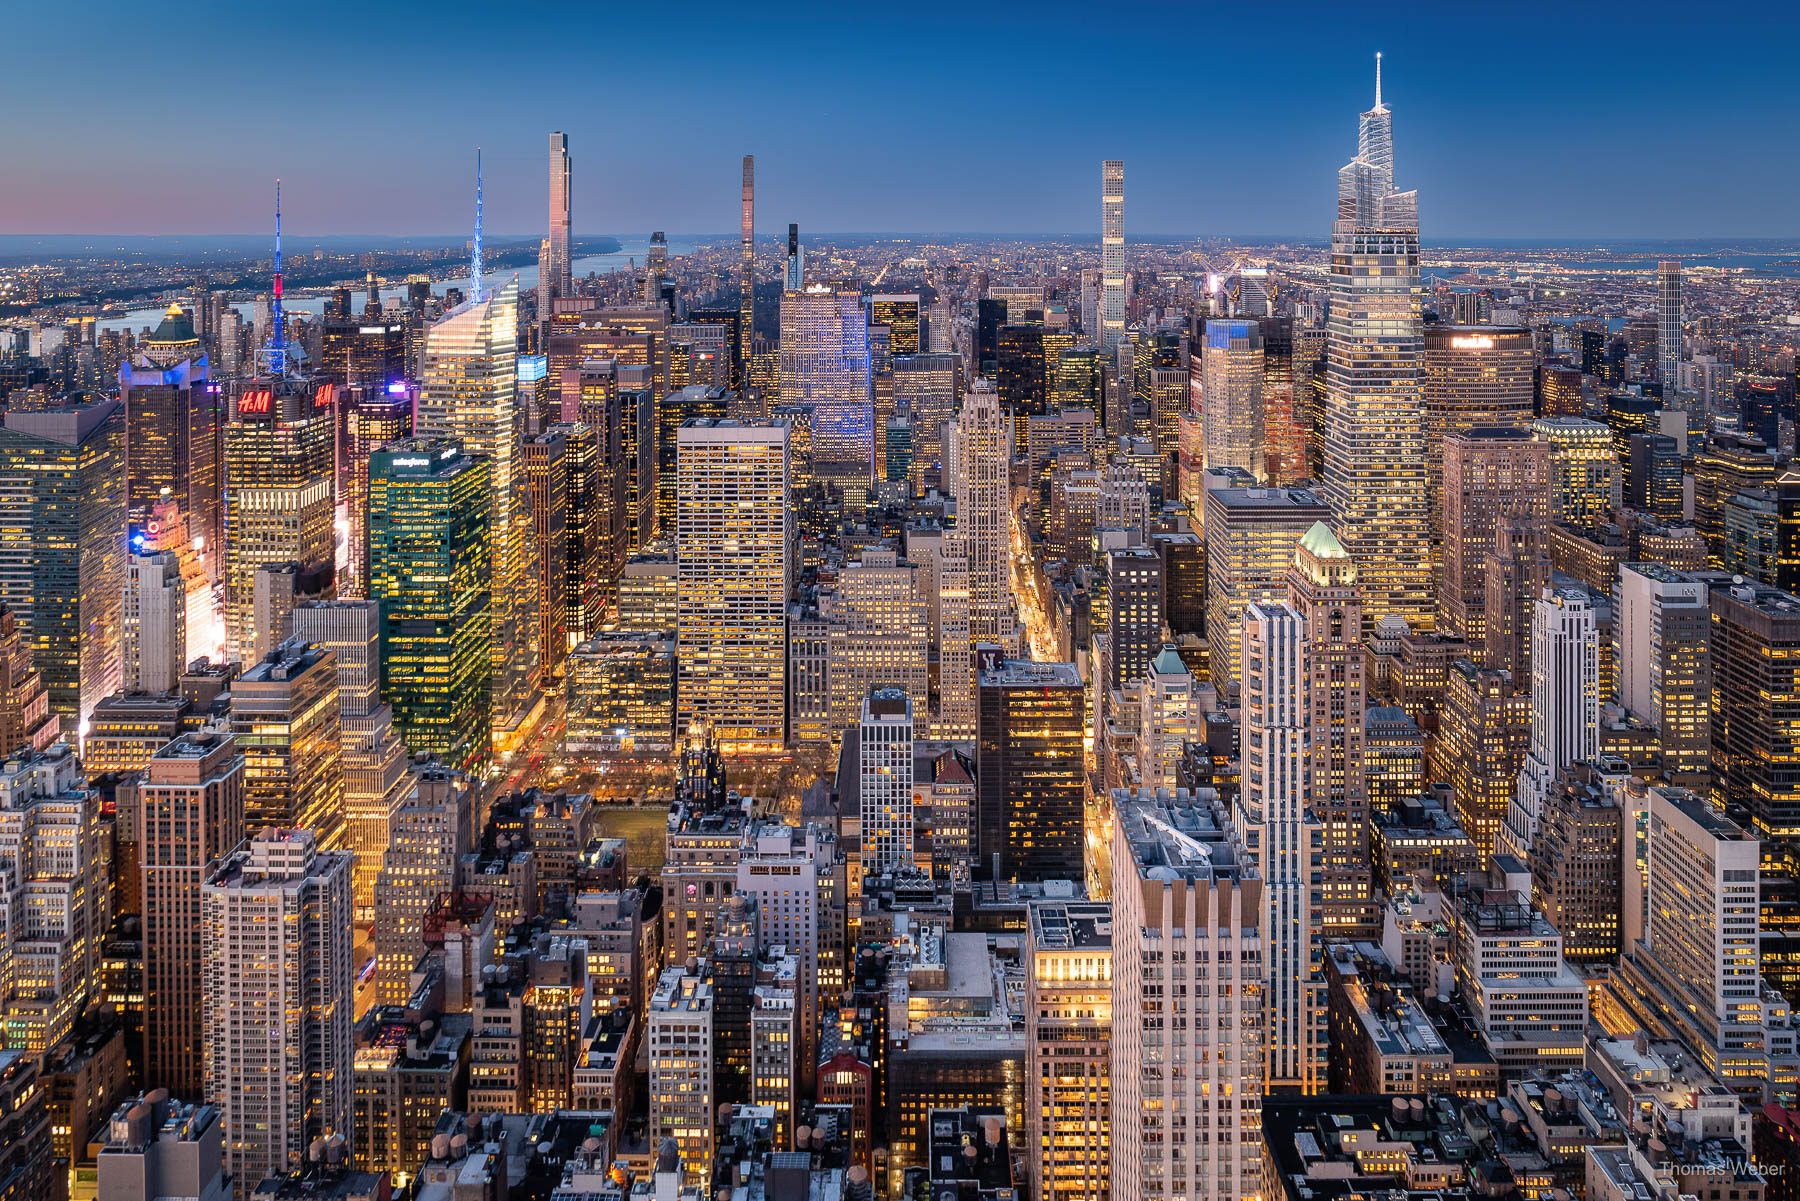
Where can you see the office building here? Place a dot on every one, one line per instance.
(154, 623)
(53, 869)
(825, 363)
(429, 517)
(1232, 391)
(594, 551)
(1129, 616)
(901, 314)
(732, 544)
(429, 834)
(191, 807)
(279, 507)
(1323, 589)
(1517, 571)
(673, 411)
(1031, 783)
(983, 508)
(1374, 422)
(280, 1039)
(1489, 473)
(1473, 376)
(1662, 661)
(1112, 254)
(62, 547)
(1251, 537)
(1577, 858)
(1565, 706)
(620, 694)
(375, 760)
(1068, 1026)
(1754, 684)
(468, 395)
(1583, 467)
(928, 387)
(1169, 717)
(885, 765)
(680, 1025)
(368, 419)
(25, 717)
(1484, 733)
(1283, 837)
(544, 460)
(285, 720)
(1729, 464)
(1530, 1009)
(174, 427)
(1185, 893)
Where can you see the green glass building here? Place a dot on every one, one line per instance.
(429, 514)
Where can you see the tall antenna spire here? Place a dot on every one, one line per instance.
(277, 353)
(475, 259)
(1378, 79)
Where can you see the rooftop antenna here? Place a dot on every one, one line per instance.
(475, 259)
(276, 354)
(1378, 80)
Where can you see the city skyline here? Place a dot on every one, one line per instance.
(1483, 136)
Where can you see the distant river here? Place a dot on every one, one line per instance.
(630, 249)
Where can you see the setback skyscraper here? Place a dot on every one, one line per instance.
(1374, 423)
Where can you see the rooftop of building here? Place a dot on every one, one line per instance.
(1028, 673)
(1071, 925)
(1265, 498)
(1175, 834)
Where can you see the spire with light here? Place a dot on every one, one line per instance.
(475, 259)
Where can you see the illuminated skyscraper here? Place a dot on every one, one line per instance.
(1583, 467)
(928, 386)
(746, 276)
(545, 461)
(277, 1014)
(733, 531)
(154, 623)
(982, 493)
(555, 280)
(1668, 328)
(1474, 375)
(1068, 1023)
(1284, 838)
(1112, 253)
(428, 526)
(278, 497)
(796, 269)
(174, 425)
(368, 419)
(468, 395)
(285, 719)
(885, 758)
(825, 363)
(1490, 472)
(200, 779)
(1232, 384)
(1662, 635)
(1565, 707)
(1186, 891)
(1031, 776)
(902, 315)
(1323, 588)
(62, 547)
(1375, 478)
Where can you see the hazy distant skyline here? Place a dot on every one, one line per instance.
(1574, 124)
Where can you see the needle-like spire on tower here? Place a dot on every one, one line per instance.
(1378, 79)
(277, 352)
(475, 259)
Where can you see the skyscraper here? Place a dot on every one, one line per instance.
(796, 270)
(285, 719)
(746, 276)
(1565, 706)
(428, 834)
(1662, 635)
(1186, 891)
(468, 395)
(368, 419)
(733, 531)
(825, 363)
(1489, 473)
(545, 461)
(983, 495)
(154, 623)
(1283, 838)
(1668, 328)
(1068, 1022)
(428, 528)
(885, 759)
(277, 1004)
(1375, 477)
(1030, 773)
(1323, 589)
(191, 806)
(278, 497)
(174, 424)
(928, 386)
(556, 280)
(1232, 387)
(62, 547)
(1112, 253)
(1472, 376)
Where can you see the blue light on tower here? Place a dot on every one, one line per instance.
(276, 353)
(475, 259)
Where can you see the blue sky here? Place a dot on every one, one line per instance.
(1515, 121)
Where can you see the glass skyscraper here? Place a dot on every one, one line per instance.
(825, 363)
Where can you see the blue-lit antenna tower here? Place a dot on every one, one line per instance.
(275, 354)
(475, 259)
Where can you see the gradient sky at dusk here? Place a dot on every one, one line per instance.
(1514, 121)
